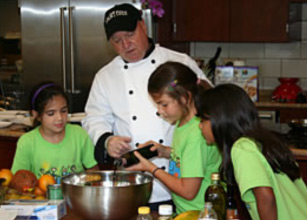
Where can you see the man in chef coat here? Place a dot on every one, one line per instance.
(120, 113)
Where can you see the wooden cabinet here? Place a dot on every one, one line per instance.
(259, 21)
(230, 21)
(201, 20)
(7, 151)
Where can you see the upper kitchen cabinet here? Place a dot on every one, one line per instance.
(201, 20)
(230, 21)
(259, 21)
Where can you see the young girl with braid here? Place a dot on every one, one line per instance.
(173, 87)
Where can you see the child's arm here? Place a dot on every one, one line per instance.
(266, 203)
(184, 187)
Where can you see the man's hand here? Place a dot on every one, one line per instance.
(118, 145)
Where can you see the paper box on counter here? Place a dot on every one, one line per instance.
(36, 209)
(244, 76)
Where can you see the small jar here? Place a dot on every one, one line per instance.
(54, 192)
(144, 213)
(165, 212)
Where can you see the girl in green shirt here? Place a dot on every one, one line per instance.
(173, 86)
(258, 160)
(54, 146)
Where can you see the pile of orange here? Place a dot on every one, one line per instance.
(7, 175)
(35, 191)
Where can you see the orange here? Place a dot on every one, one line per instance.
(25, 197)
(40, 198)
(189, 215)
(44, 181)
(39, 192)
(6, 174)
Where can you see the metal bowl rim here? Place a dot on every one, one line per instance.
(106, 171)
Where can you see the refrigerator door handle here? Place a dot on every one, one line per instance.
(72, 52)
(63, 37)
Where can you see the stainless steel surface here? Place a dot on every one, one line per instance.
(113, 198)
(268, 116)
(64, 41)
(62, 26)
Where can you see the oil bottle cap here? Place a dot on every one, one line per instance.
(165, 209)
(144, 210)
(215, 176)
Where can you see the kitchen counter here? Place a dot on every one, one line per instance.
(11, 132)
(281, 105)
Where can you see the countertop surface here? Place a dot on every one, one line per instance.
(280, 105)
(13, 131)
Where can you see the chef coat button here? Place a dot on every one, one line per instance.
(153, 61)
(134, 118)
(130, 92)
(126, 67)
(157, 113)
(136, 144)
(161, 141)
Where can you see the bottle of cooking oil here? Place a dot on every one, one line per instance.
(232, 210)
(144, 213)
(207, 213)
(217, 196)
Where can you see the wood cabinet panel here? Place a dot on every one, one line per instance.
(230, 21)
(259, 21)
(7, 151)
(164, 30)
(201, 20)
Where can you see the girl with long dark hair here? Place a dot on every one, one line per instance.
(258, 160)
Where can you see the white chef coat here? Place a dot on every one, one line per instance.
(119, 103)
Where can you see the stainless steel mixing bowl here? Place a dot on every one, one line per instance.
(103, 195)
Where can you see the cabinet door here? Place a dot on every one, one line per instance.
(258, 21)
(7, 151)
(201, 20)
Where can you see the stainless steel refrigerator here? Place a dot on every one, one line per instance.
(64, 41)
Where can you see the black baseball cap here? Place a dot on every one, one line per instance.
(123, 17)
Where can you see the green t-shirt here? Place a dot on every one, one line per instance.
(192, 157)
(252, 170)
(71, 155)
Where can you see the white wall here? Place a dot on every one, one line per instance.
(273, 59)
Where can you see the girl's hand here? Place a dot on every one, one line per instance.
(143, 165)
(163, 151)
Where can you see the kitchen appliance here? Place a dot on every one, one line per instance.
(64, 41)
(287, 91)
(107, 194)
